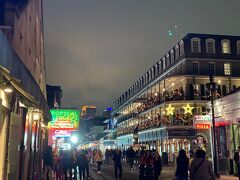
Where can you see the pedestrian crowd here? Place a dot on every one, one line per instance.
(65, 164)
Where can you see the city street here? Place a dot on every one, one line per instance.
(108, 173)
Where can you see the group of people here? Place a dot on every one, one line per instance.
(66, 162)
(149, 161)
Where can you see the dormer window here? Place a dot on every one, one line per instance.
(176, 52)
(226, 46)
(210, 46)
(238, 47)
(172, 56)
(181, 50)
(195, 45)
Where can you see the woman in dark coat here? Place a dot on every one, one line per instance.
(182, 166)
(157, 165)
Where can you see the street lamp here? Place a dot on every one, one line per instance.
(74, 139)
(215, 159)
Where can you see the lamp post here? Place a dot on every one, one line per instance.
(215, 159)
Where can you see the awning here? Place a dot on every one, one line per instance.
(13, 68)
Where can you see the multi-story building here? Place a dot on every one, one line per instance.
(161, 108)
(54, 97)
(88, 112)
(23, 106)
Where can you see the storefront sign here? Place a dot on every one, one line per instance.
(207, 118)
(62, 133)
(202, 121)
(64, 119)
(181, 133)
(203, 126)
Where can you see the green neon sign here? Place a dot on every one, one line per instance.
(64, 119)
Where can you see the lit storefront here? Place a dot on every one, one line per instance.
(64, 123)
(227, 118)
(23, 115)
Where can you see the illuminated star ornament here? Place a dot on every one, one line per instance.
(187, 109)
(170, 109)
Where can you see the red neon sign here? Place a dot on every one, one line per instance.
(203, 126)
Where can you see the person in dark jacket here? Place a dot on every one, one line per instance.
(237, 160)
(48, 162)
(117, 157)
(157, 165)
(131, 156)
(82, 164)
(182, 166)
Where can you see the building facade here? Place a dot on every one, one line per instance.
(160, 109)
(88, 112)
(23, 107)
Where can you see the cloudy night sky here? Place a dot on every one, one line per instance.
(96, 49)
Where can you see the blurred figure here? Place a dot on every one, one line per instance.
(59, 167)
(182, 166)
(117, 156)
(201, 168)
(75, 156)
(157, 165)
(131, 156)
(48, 163)
(98, 159)
(237, 160)
(82, 164)
(88, 157)
(146, 168)
(107, 155)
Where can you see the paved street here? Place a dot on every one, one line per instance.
(108, 173)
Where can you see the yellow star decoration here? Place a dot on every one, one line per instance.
(170, 109)
(187, 109)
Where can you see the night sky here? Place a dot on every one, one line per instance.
(96, 49)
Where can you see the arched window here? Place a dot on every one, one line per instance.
(226, 49)
(195, 45)
(210, 46)
(238, 47)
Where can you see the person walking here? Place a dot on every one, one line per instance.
(117, 156)
(98, 159)
(131, 156)
(157, 165)
(48, 163)
(146, 168)
(82, 164)
(182, 166)
(75, 156)
(201, 168)
(237, 160)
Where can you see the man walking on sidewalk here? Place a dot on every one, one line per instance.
(117, 156)
(237, 160)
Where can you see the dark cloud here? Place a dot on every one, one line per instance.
(96, 49)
